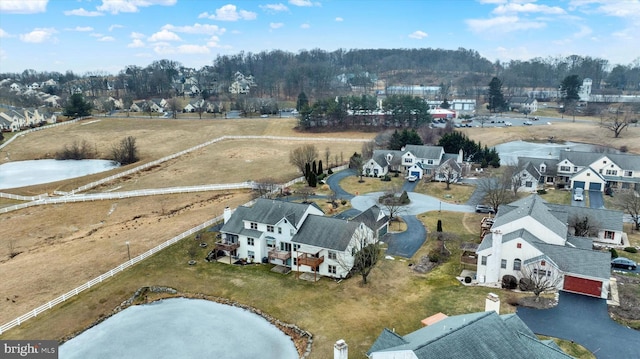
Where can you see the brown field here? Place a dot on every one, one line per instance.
(63, 246)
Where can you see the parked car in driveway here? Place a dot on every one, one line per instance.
(412, 178)
(483, 208)
(625, 263)
(578, 194)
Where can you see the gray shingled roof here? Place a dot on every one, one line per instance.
(625, 161)
(273, 211)
(605, 218)
(535, 207)
(430, 152)
(370, 217)
(584, 262)
(326, 232)
(475, 335)
(550, 163)
(235, 224)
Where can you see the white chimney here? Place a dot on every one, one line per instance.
(226, 214)
(340, 350)
(492, 303)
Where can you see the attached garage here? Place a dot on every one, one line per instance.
(578, 184)
(594, 186)
(583, 286)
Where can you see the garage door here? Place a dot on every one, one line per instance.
(578, 184)
(595, 186)
(416, 173)
(582, 286)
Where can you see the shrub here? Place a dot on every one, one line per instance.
(631, 249)
(614, 253)
(434, 257)
(439, 226)
(386, 178)
(344, 202)
(330, 171)
(509, 282)
(525, 284)
(542, 191)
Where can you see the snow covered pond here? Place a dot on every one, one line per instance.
(510, 151)
(27, 173)
(181, 328)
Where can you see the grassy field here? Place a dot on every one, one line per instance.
(80, 241)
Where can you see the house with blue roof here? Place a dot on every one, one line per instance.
(531, 235)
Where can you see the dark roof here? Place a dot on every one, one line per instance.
(603, 218)
(270, 211)
(475, 335)
(371, 216)
(537, 208)
(580, 158)
(430, 152)
(326, 232)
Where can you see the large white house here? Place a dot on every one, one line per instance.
(298, 236)
(416, 160)
(534, 234)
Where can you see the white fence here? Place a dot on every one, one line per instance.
(22, 133)
(109, 274)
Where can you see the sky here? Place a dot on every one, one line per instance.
(107, 35)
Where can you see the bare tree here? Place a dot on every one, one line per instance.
(539, 279)
(174, 107)
(126, 151)
(300, 156)
(496, 189)
(266, 187)
(367, 149)
(357, 162)
(305, 194)
(392, 203)
(482, 120)
(514, 172)
(617, 122)
(630, 203)
(365, 252)
(585, 226)
(327, 155)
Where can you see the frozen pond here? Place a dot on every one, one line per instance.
(27, 173)
(181, 328)
(510, 151)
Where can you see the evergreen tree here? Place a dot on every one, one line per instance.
(77, 107)
(303, 102)
(320, 169)
(314, 168)
(496, 98)
(307, 170)
(312, 179)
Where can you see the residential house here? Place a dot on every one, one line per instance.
(523, 104)
(295, 235)
(194, 105)
(157, 104)
(382, 162)
(414, 160)
(475, 335)
(597, 171)
(138, 106)
(534, 235)
(535, 173)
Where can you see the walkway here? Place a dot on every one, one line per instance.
(584, 320)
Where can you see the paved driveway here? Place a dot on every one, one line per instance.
(595, 199)
(407, 243)
(585, 320)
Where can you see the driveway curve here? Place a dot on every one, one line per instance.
(407, 243)
(584, 320)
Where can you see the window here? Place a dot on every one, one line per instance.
(251, 255)
(543, 263)
(517, 264)
(332, 255)
(250, 241)
(543, 168)
(612, 172)
(296, 247)
(609, 235)
(575, 169)
(254, 225)
(332, 269)
(628, 173)
(295, 261)
(565, 169)
(291, 233)
(503, 264)
(519, 245)
(407, 160)
(483, 260)
(279, 230)
(429, 162)
(528, 184)
(269, 228)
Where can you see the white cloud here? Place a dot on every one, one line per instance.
(23, 7)
(82, 12)
(164, 35)
(213, 41)
(137, 35)
(418, 35)
(81, 28)
(38, 35)
(502, 24)
(115, 26)
(339, 19)
(196, 29)
(193, 49)
(305, 26)
(276, 25)
(106, 39)
(117, 6)
(4, 34)
(136, 43)
(272, 8)
(303, 3)
(96, 34)
(512, 8)
(229, 12)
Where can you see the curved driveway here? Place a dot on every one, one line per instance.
(584, 320)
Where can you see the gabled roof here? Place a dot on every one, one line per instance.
(580, 158)
(475, 335)
(535, 207)
(585, 262)
(603, 218)
(269, 211)
(326, 232)
(451, 162)
(372, 216)
(431, 152)
(550, 164)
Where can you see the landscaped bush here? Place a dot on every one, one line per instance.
(542, 191)
(329, 171)
(434, 257)
(385, 178)
(631, 249)
(525, 284)
(614, 253)
(509, 282)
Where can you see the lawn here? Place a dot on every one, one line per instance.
(457, 193)
(352, 184)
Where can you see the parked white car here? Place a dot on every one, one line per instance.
(508, 124)
(412, 178)
(578, 194)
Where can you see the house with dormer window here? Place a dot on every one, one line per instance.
(535, 234)
(412, 160)
(298, 236)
